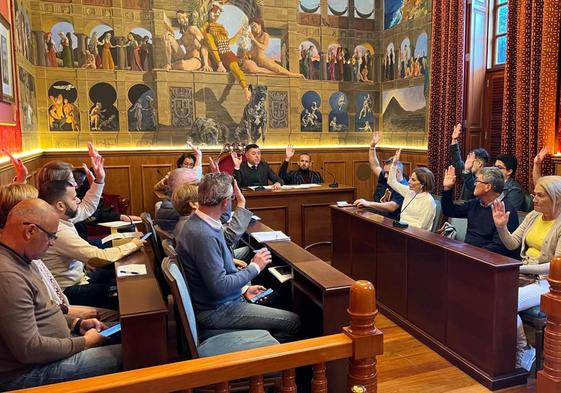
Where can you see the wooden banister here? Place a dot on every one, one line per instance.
(549, 379)
(360, 342)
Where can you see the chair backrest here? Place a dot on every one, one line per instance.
(438, 217)
(461, 227)
(528, 204)
(163, 234)
(154, 239)
(182, 298)
(157, 207)
(169, 248)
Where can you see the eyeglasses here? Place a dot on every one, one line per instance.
(50, 235)
(480, 181)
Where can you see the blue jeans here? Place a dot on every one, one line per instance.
(239, 314)
(88, 363)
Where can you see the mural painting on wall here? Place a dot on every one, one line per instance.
(363, 63)
(181, 101)
(420, 61)
(254, 120)
(138, 46)
(339, 116)
(404, 63)
(338, 7)
(60, 46)
(142, 113)
(103, 46)
(397, 11)
(364, 9)
(364, 119)
(28, 100)
(404, 110)
(22, 31)
(310, 118)
(64, 115)
(103, 115)
(6, 63)
(388, 62)
(310, 6)
(278, 109)
(309, 60)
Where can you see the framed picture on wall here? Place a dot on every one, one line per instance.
(6, 71)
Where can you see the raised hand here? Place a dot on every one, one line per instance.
(376, 137)
(538, 159)
(240, 198)
(396, 156)
(470, 159)
(19, 167)
(499, 215)
(97, 164)
(213, 165)
(237, 161)
(456, 132)
(449, 178)
(289, 152)
(197, 152)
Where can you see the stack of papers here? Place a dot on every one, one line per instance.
(120, 235)
(117, 224)
(282, 273)
(134, 269)
(287, 187)
(271, 236)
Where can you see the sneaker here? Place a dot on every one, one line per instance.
(525, 358)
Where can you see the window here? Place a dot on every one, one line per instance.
(497, 33)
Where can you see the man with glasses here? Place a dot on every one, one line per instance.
(36, 345)
(514, 193)
(220, 291)
(481, 230)
(468, 170)
(69, 255)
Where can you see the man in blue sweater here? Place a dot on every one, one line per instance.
(219, 291)
(481, 230)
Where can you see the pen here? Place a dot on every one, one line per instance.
(125, 272)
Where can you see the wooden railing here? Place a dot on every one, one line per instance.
(360, 342)
(549, 379)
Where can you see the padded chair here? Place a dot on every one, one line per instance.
(536, 319)
(215, 345)
(163, 234)
(169, 248)
(461, 227)
(437, 223)
(528, 204)
(322, 250)
(157, 250)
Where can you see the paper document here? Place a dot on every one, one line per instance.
(120, 235)
(117, 224)
(254, 187)
(256, 218)
(134, 269)
(271, 236)
(282, 273)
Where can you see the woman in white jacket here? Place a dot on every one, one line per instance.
(539, 239)
(418, 208)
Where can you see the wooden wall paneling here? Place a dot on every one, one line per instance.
(315, 230)
(338, 169)
(150, 175)
(273, 216)
(275, 166)
(364, 179)
(122, 187)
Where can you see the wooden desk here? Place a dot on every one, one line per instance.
(303, 214)
(320, 295)
(143, 316)
(161, 195)
(459, 299)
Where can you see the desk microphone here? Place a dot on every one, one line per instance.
(334, 184)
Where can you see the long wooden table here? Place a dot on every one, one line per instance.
(320, 296)
(143, 316)
(303, 214)
(459, 299)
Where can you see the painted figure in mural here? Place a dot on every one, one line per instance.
(65, 50)
(136, 110)
(254, 120)
(258, 62)
(95, 116)
(90, 61)
(56, 112)
(71, 47)
(219, 47)
(106, 56)
(347, 65)
(70, 115)
(340, 58)
(151, 115)
(109, 123)
(310, 117)
(145, 53)
(331, 65)
(186, 53)
(341, 103)
(366, 127)
(133, 53)
(366, 107)
(304, 64)
(392, 64)
(94, 50)
(334, 126)
(50, 51)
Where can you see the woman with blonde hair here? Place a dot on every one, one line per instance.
(539, 239)
(185, 200)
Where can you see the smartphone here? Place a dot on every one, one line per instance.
(255, 299)
(146, 236)
(111, 331)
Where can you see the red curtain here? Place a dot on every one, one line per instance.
(446, 90)
(529, 108)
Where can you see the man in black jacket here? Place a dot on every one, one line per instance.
(304, 175)
(254, 171)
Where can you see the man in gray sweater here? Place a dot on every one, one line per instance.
(219, 291)
(38, 343)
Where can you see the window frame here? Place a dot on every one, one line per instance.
(493, 35)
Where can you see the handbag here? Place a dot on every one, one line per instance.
(447, 230)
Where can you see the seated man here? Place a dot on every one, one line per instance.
(475, 161)
(167, 216)
(69, 255)
(215, 283)
(513, 191)
(304, 175)
(387, 201)
(254, 171)
(481, 230)
(36, 345)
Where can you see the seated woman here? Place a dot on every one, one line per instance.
(193, 160)
(418, 208)
(185, 200)
(539, 239)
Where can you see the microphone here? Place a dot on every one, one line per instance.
(334, 184)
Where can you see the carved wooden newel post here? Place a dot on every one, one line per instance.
(367, 340)
(549, 379)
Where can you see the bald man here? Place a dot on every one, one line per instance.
(38, 343)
